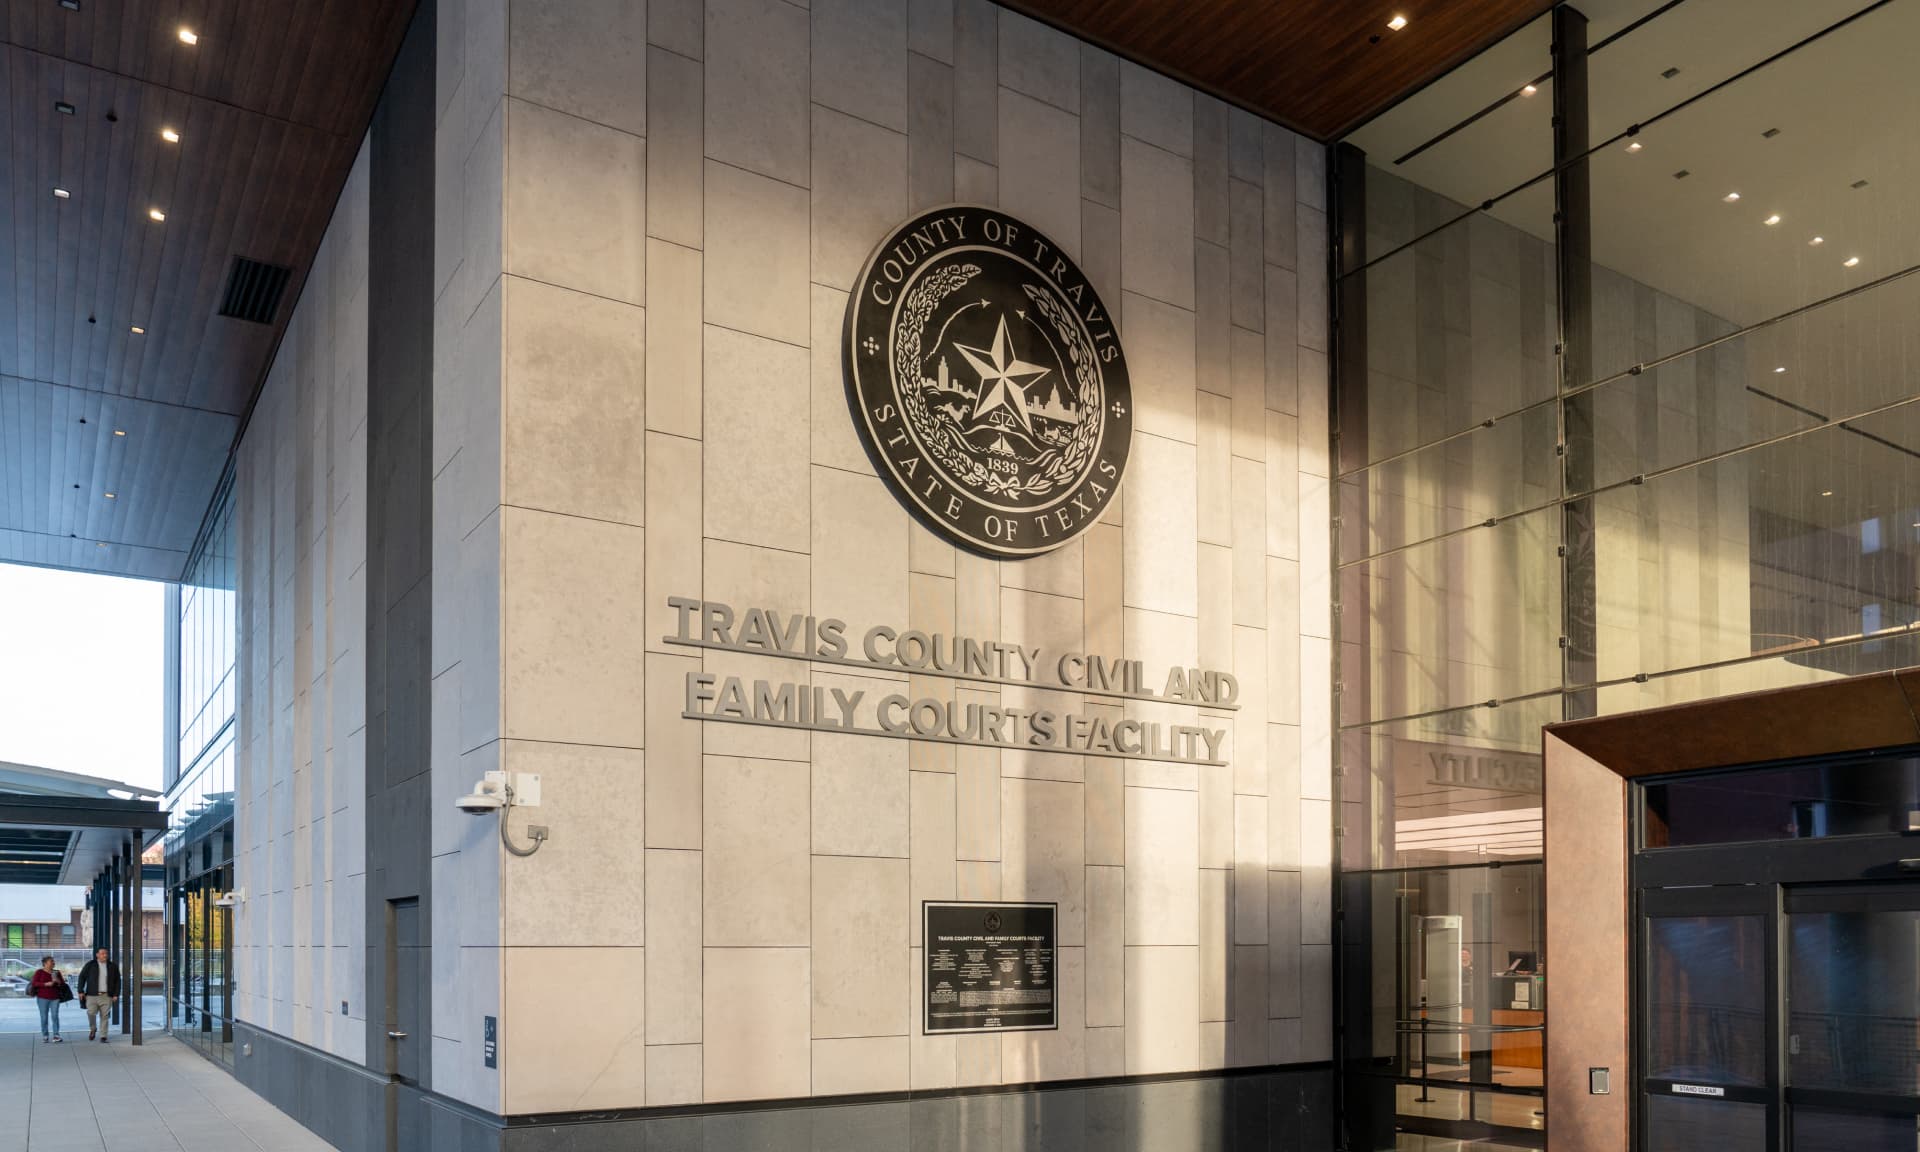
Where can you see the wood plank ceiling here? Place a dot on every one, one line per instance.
(1320, 66)
(269, 105)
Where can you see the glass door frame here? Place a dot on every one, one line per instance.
(1736, 879)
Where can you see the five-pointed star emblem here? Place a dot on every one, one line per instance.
(1001, 377)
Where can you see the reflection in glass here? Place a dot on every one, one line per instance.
(1817, 1130)
(1686, 1124)
(1801, 801)
(1706, 1000)
(1854, 1007)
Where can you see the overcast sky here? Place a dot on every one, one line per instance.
(82, 673)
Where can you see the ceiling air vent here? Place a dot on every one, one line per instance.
(253, 290)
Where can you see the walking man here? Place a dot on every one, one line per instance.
(99, 988)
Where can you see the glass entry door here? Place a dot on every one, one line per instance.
(1780, 1017)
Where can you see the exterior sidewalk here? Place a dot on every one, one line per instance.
(161, 1097)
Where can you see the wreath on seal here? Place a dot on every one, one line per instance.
(1054, 466)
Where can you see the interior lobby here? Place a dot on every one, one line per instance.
(1001, 577)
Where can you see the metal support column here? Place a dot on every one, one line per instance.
(110, 925)
(129, 872)
(1573, 228)
(132, 980)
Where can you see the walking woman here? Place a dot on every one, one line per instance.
(50, 989)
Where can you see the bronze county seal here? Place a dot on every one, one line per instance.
(987, 381)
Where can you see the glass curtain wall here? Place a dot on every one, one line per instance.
(1628, 415)
(199, 839)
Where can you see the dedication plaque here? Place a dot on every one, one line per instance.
(990, 967)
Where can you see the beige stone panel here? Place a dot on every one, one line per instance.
(1213, 483)
(849, 1065)
(926, 552)
(1316, 718)
(1039, 60)
(977, 802)
(1106, 1051)
(1283, 944)
(1054, 624)
(756, 1045)
(1213, 1044)
(1104, 591)
(1216, 607)
(1315, 448)
(1250, 869)
(860, 787)
(673, 755)
(1283, 641)
(976, 880)
(1249, 1035)
(1163, 1020)
(675, 156)
(1216, 941)
(1249, 755)
(754, 468)
(1159, 565)
(1249, 358)
(1249, 543)
(1043, 850)
(1283, 1039)
(673, 1075)
(673, 962)
(1034, 764)
(836, 441)
(930, 870)
(859, 545)
(859, 193)
(976, 1060)
(1040, 168)
(1316, 559)
(674, 339)
(1283, 796)
(755, 857)
(557, 895)
(569, 1061)
(573, 626)
(1106, 958)
(1060, 572)
(859, 971)
(1106, 803)
(1316, 871)
(1156, 223)
(1060, 1053)
(976, 596)
(575, 404)
(1216, 815)
(1161, 642)
(930, 610)
(1160, 366)
(1316, 1016)
(587, 58)
(674, 559)
(757, 54)
(1162, 860)
(576, 203)
(1283, 486)
(930, 1059)
(974, 181)
(757, 261)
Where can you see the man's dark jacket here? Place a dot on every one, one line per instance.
(89, 984)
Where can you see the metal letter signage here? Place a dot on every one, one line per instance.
(987, 381)
(989, 967)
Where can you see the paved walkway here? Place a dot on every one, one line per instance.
(161, 1097)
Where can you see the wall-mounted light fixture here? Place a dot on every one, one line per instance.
(499, 792)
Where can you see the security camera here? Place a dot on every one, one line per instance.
(489, 795)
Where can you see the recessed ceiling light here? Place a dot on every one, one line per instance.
(111, 496)
(70, 5)
(1780, 369)
(169, 135)
(1850, 261)
(188, 36)
(1731, 197)
(62, 107)
(1816, 241)
(62, 194)
(1772, 220)
(119, 431)
(1634, 147)
(156, 215)
(139, 331)
(1682, 174)
(1397, 23)
(1858, 184)
(1828, 492)
(1669, 73)
(1528, 90)
(100, 544)
(1770, 133)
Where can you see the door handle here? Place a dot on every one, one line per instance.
(396, 1035)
